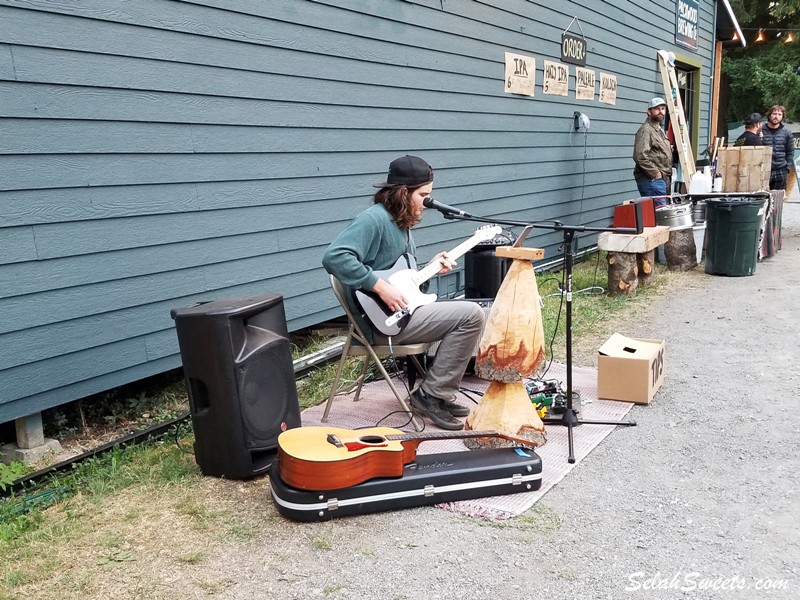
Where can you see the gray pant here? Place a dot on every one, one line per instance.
(458, 324)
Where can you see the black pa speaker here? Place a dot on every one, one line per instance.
(484, 273)
(237, 361)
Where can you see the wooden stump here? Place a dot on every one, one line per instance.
(623, 273)
(511, 348)
(680, 250)
(646, 262)
(512, 345)
(507, 408)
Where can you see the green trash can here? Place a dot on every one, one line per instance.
(733, 227)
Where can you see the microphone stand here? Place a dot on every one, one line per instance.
(569, 418)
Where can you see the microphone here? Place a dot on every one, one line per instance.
(444, 208)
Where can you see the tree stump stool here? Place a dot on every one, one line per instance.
(681, 250)
(511, 348)
(631, 258)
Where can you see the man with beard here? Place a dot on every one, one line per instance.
(652, 153)
(779, 138)
(374, 241)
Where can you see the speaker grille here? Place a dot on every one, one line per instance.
(268, 390)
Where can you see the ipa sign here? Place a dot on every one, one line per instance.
(686, 22)
(520, 73)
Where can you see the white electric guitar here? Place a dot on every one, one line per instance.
(408, 281)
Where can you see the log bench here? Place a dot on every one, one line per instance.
(631, 258)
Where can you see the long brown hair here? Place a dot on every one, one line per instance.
(774, 108)
(396, 199)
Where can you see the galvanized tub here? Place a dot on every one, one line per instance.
(675, 216)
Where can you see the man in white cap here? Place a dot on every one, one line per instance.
(652, 153)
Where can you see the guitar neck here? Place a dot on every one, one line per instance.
(433, 268)
(417, 438)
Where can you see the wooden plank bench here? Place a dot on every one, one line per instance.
(631, 258)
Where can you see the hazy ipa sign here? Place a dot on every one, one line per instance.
(520, 74)
(556, 78)
(584, 83)
(608, 88)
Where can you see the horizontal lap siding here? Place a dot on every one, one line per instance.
(157, 153)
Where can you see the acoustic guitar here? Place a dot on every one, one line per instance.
(327, 458)
(408, 281)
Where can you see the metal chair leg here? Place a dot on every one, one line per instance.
(400, 399)
(337, 378)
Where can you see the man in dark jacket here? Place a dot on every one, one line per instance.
(780, 139)
(752, 133)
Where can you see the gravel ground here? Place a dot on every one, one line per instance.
(700, 500)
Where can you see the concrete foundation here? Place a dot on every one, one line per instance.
(11, 452)
(31, 444)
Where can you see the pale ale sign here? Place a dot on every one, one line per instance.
(584, 84)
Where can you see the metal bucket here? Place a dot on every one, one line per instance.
(699, 211)
(675, 216)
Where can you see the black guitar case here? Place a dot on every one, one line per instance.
(431, 479)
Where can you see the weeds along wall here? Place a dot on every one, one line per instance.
(156, 153)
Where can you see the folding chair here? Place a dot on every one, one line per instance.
(357, 344)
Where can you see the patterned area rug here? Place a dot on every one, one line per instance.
(378, 406)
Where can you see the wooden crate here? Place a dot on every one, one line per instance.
(744, 168)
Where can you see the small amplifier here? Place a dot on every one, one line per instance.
(625, 214)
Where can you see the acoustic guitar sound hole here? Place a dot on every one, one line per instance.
(371, 439)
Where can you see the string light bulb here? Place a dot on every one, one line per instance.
(735, 37)
(760, 36)
(789, 38)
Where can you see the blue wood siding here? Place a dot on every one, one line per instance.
(154, 153)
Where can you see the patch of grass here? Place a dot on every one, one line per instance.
(192, 558)
(594, 313)
(322, 543)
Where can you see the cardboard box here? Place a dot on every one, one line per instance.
(630, 369)
(745, 168)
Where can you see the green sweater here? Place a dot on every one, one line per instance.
(372, 242)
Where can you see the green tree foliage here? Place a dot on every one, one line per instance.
(764, 74)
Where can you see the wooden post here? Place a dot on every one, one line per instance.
(646, 262)
(511, 348)
(623, 274)
(681, 251)
(631, 258)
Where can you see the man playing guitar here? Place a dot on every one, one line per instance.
(374, 241)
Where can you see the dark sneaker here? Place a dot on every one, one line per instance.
(456, 409)
(435, 409)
